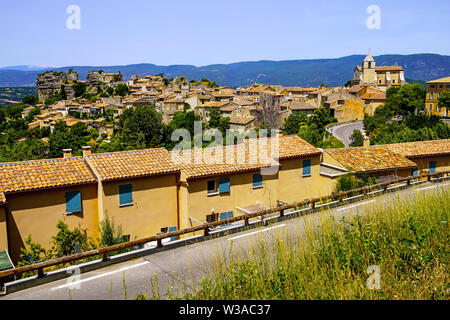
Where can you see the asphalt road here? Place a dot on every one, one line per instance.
(343, 132)
(178, 269)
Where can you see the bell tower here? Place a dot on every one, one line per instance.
(369, 76)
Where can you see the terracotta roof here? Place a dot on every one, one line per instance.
(373, 96)
(389, 68)
(421, 148)
(442, 80)
(298, 105)
(367, 159)
(240, 157)
(242, 120)
(131, 164)
(43, 174)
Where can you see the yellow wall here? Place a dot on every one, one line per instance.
(442, 163)
(38, 212)
(288, 185)
(353, 109)
(432, 99)
(292, 186)
(196, 203)
(154, 205)
(3, 230)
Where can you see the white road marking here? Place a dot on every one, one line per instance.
(439, 185)
(71, 284)
(251, 233)
(355, 205)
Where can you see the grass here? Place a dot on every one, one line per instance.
(408, 241)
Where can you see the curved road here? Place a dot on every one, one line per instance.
(344, 131)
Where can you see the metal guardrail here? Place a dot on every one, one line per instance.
(39, 267)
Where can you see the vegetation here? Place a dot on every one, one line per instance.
(350, 181)
(408, 241)
(399, 120)
(357, 139)
(312, 128)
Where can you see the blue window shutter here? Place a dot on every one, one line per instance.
(172, 229)
(224, 185)
(257, 180)
(432, 166)
(125, 194)
(306, 167)
(73, 201)
(226, 215)
(415, 172)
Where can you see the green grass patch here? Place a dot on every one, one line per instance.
(408, 241)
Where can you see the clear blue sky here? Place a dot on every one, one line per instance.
(201, 32)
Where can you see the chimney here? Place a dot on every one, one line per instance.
(67, 153)
(86, 151)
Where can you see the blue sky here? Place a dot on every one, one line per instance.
(201, 32)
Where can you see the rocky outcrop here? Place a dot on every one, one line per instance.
(50, 83)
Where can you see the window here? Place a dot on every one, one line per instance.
(226, 215)
(212, 217)
(125, 195)
(224, 185)
(415, 172)
(257, 181)
(212, 187)
(73, 202)
(306, 168)
(432, 166)
(126, 238)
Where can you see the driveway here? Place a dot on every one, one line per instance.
(344, 131)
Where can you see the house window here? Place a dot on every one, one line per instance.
(212, 189)
(432, 166)
(226, 215)
(415, 172)
(257, 181)
(126, 238)
(125, 195)
(306, 168)
(73, 202)
(212, 217)
(224, 185)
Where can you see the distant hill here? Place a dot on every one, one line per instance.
(305, 73)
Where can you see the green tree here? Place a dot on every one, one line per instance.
(33, 112)
(444, 100)
(311, 134)
(357, 139)
(30, 99)
(140, 128)
(332, 143)
(32, 254)
(14, 111)
(122, 89)
(79, 88)
(294, 122)
(67, 242)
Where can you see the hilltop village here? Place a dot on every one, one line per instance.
(243, 106)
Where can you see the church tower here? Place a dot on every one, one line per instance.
(369, 76)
